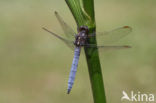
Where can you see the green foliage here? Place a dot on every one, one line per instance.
(82, 15)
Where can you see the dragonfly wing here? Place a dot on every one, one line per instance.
(109, 47)
(103, 48)
(113, 36)
(68, 31)
(67, 42)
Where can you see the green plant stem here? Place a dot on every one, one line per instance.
(83, 12)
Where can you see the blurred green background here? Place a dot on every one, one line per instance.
(34, 66)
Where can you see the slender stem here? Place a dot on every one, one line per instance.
(83, 12)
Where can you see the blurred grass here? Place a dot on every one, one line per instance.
(34, 69)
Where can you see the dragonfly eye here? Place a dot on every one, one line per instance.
(83, 28)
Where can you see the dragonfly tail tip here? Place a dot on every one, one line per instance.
(68, 91)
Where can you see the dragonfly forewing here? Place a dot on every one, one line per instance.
(113, 36)
(68, 31)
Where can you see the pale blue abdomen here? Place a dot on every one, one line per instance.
(73, 68)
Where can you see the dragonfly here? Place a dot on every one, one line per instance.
(79, 40)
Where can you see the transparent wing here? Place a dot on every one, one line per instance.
(108, 47)
(67, 42)
(113, 36)
(116, 47)
(68, 31)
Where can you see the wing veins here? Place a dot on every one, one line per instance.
(115, 47)
(69, 32)
(114, 35)
(67, 42)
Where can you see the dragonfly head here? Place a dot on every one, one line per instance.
(83, 28)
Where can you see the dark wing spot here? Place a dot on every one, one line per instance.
(127, 46)
(126, 27)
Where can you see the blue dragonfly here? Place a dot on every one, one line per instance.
(79, 40)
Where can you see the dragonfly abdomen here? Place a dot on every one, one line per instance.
(73, 68)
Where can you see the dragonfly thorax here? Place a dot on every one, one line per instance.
(81, 37)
